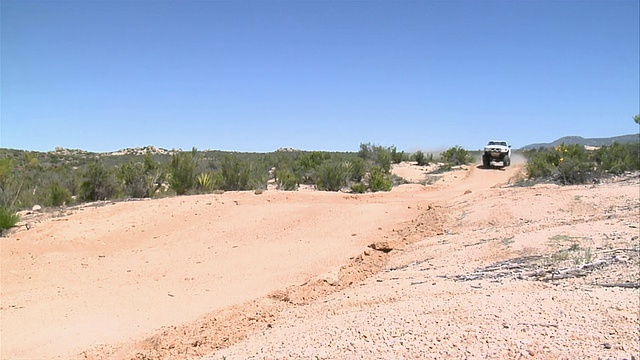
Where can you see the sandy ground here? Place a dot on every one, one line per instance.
(414, 273)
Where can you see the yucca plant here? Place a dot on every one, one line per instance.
(204, 182)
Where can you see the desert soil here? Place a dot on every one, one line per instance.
(467, 267)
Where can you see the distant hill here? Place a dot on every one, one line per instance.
(573, 140)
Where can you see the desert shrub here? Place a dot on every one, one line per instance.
(366, 151)
(421, 159)
(182, 171)
(568, 164)
(574, 165)
(359, 187)
(396, 157)
(377, 155)
(618, 158)
(287, 180)
(58, 195)
(133, 179)
(7, 180)
(379, 180)
(358, 169)
(235, 174)
(383, 158)
(538, 167)
(20, 180)
(311, 161)
(332, 176)
(155, 174)
(141, 179)
(8, 218)
(258, 176)
(307, 165)
(97, 183)
(456, 156)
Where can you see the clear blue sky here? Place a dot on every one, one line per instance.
(315, 75)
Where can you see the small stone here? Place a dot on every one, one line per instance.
(607, 345)
(381, 246)
(36, 208)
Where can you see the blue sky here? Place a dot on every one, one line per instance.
(315, 75)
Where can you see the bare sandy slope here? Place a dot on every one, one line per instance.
(273, 275)
(491, 286)
(120, 271)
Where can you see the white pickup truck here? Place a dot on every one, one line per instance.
(496, 151)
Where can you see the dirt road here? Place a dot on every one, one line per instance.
(148, 277)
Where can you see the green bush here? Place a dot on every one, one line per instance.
(574, 165)
(7, 218)
(311, 161)
(332, 176)
(287, 180)
(379, 180)
(421, 159)
(235, 174)
(20, 180)
(258, 176)
(7, 180)
(383, 158)
(396, 157)
(133, 179)
(359, 188)
(358, 169)
(154, 173)
(97, 183)
(456, 156)
(376, 155)
(618, 158)
(366, 151)
(142, 179)
(58, 195)
(538, 167)
(182, 171)
(568, 164)
(418, 156)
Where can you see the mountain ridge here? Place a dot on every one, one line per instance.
(579, 140)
